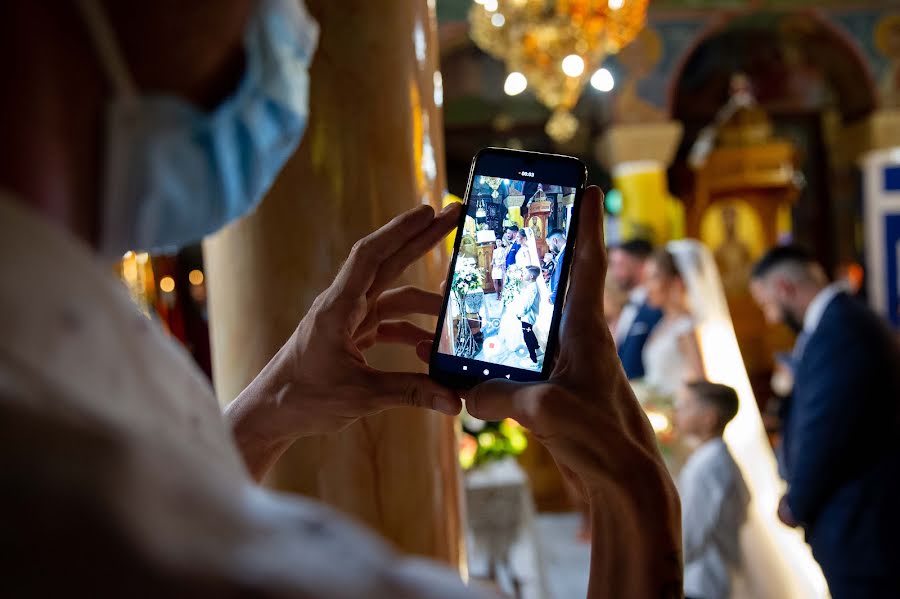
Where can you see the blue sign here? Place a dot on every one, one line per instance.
(892, 178)
(892, 263)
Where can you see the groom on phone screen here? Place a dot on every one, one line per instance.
(557, 242)
(531, 305)
(626, 267)
(512, 236)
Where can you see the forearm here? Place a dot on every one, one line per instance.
(636, 540)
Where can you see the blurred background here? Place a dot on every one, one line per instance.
(740, 123)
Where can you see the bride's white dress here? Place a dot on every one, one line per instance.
(665, 366)
(777, 562)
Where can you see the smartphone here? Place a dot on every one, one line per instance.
(502, 305)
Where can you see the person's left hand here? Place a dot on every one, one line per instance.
(785, 514)
(320, 382)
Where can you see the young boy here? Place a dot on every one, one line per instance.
(530, 307)
(714, 497)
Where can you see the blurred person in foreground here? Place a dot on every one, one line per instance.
(627, 263)
(714, 496)
(839, 445)
(146, 126)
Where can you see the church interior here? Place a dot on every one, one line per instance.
(742, 124)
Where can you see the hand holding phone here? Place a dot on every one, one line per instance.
(587, 416)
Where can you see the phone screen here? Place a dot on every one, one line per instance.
(506, 285)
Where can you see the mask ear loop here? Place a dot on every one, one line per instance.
(107, 48)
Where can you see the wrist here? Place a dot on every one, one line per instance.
(259, 419)
(637, 530)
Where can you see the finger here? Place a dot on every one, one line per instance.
(498, 399)
(423, 351)
(416, 247)
(402, 331)
(365, 260)
(395, 389)
(403, 301)
(400, 303)
(584, 301)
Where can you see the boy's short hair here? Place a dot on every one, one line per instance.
(722, 398)
(534, 271)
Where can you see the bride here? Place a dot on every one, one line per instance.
(510, 326)
(777, 563)
(672, 354)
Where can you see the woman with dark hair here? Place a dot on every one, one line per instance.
(672, 354)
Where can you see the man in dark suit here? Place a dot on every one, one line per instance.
(512, 234)
(626, 267)
(840, 439)
(556, 239)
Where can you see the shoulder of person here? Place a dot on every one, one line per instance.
(848, 325)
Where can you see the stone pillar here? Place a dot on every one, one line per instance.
(637, 156)
(373, 148)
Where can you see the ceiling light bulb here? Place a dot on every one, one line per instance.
(490, 5)
(603, 80)
(497, 20)
(515, 84)
(573, 65)
(613, 4)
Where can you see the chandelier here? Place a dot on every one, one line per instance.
(555, 47)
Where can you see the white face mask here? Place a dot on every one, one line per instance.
(175, 173)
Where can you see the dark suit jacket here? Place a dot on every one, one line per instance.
(511, 254)
(632, 348)
(554, 278)
(841, 451)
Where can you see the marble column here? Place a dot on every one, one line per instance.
(373, 148)
(637, 156)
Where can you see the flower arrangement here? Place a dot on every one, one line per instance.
(660, 411)
(467, 279)
(515, 280)
(483, 442)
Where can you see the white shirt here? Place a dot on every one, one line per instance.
(636, 299)
(817, 307)
(126, 422)
(714, 500)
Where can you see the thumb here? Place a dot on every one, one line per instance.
(496, 399)
(396, 389)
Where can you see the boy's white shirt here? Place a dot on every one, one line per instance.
(714, 500)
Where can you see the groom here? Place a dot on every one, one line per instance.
(512, 236)
(557, 242)
(839, 442)
(531, 305)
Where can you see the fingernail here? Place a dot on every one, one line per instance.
(446, 404)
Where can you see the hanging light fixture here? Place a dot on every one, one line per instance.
(556, 47)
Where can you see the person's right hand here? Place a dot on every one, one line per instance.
(588, 418)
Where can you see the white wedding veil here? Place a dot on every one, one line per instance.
(777, 562)
(545, 314)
